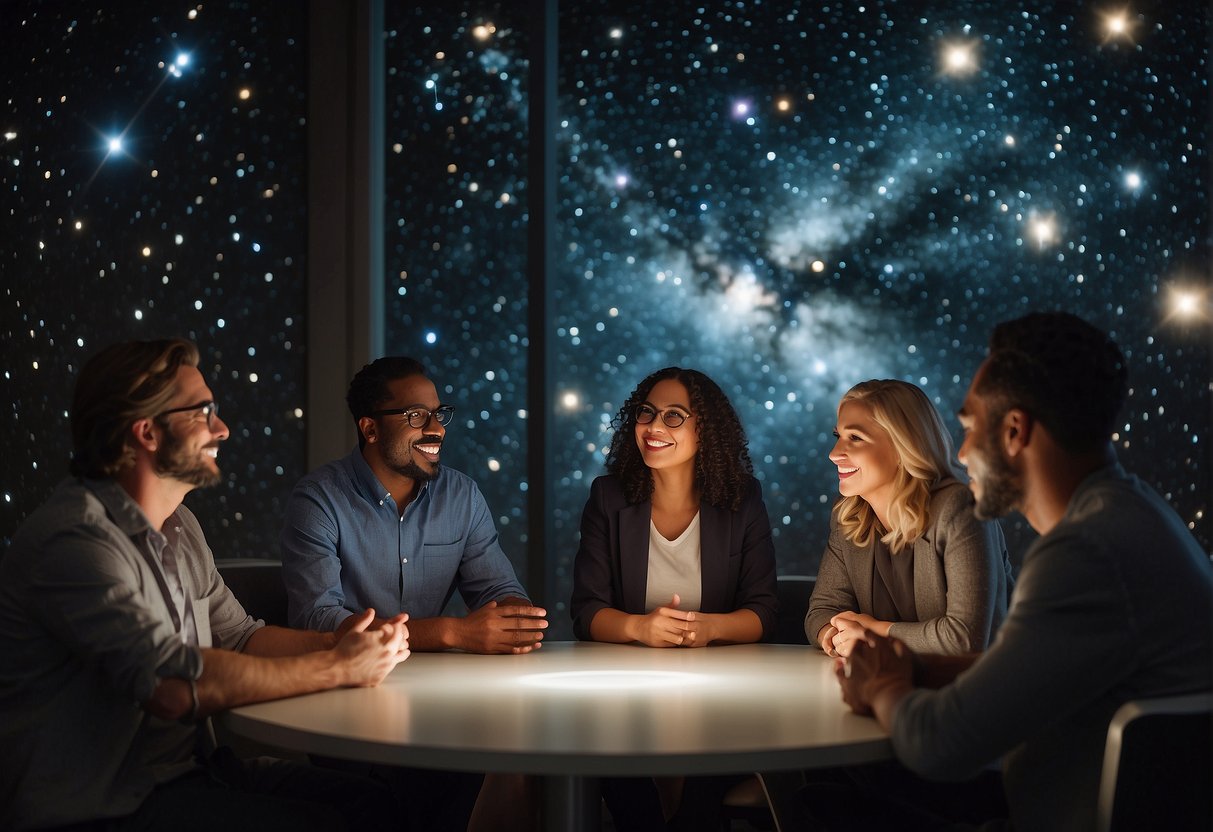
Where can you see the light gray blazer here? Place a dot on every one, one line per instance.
(962, 578)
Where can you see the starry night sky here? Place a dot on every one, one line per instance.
(791, 197)
(797, 201)
(195, 226)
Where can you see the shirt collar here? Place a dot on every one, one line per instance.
(369, 484)
(124, 511)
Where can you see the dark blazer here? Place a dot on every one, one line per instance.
(737, 557)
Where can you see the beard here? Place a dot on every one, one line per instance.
(402, 462)
(1001, 486)
(174, 460)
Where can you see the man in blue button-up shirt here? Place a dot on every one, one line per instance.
(387, 527)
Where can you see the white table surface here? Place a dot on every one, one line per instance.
(585, 709)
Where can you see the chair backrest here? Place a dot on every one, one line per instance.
(794, 592)
(1158, 765)
(257, 585)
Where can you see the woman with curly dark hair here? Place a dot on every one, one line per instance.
(676, 546)
(675, 551)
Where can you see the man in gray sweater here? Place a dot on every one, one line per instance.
(1112, 603)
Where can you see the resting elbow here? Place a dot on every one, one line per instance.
(172, 699)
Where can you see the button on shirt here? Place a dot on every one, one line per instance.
(345, 547)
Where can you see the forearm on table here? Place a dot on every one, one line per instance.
(945, 635)
(230, 679)
(884, 698)
(935, 671)
(615, 626)
(434, 634)
(281, 641)
(737, 627)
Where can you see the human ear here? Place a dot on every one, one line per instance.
(144, 433)
(370, 431)
(1016, 431)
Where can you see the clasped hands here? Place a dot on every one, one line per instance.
(846, 628)
(368, 649)
(669, 626)
(877, 667)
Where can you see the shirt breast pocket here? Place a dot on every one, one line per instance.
(440, 563)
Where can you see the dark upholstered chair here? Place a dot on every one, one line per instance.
(794, 592)
(257, 585)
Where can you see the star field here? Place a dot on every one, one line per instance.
(152, 171)
(797, 200)
(792, 197)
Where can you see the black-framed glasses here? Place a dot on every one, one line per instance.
(208, 409)
(419, 417)
(643, 414)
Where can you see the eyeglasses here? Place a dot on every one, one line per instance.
(643, 414)
(419, 417)
(209, 409)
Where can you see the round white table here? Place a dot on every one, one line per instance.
(573, 711)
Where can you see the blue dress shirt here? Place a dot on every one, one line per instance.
(345, 547)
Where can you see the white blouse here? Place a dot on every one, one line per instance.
(674, 567)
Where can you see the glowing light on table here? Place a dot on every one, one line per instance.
(613, 679)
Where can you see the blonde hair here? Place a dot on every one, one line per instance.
(924, 455)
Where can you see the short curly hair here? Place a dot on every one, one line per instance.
(722, 463)
(117, 387)
(1064, 372)
(368, 388)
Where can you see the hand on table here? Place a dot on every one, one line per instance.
(850, 627)
(877, 665)
(669, 626)
(825, 637)
(367, 653)
(510, 626)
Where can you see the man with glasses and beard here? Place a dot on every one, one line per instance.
(118, 636)
(388, 527)
(1113, 601)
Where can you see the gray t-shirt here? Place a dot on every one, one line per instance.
(88, 626)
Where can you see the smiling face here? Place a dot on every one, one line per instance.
(189, 449)
(865, 456)
(663, 447)
(410, 452)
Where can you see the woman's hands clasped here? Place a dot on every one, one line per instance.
(669, 626)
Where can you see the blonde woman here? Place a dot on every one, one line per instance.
(906, 557)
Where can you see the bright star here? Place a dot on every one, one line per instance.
(1187, 303)
(959, 58)
(1043, 229)
(1133, 180)
(1117, 25)
(115, 144)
